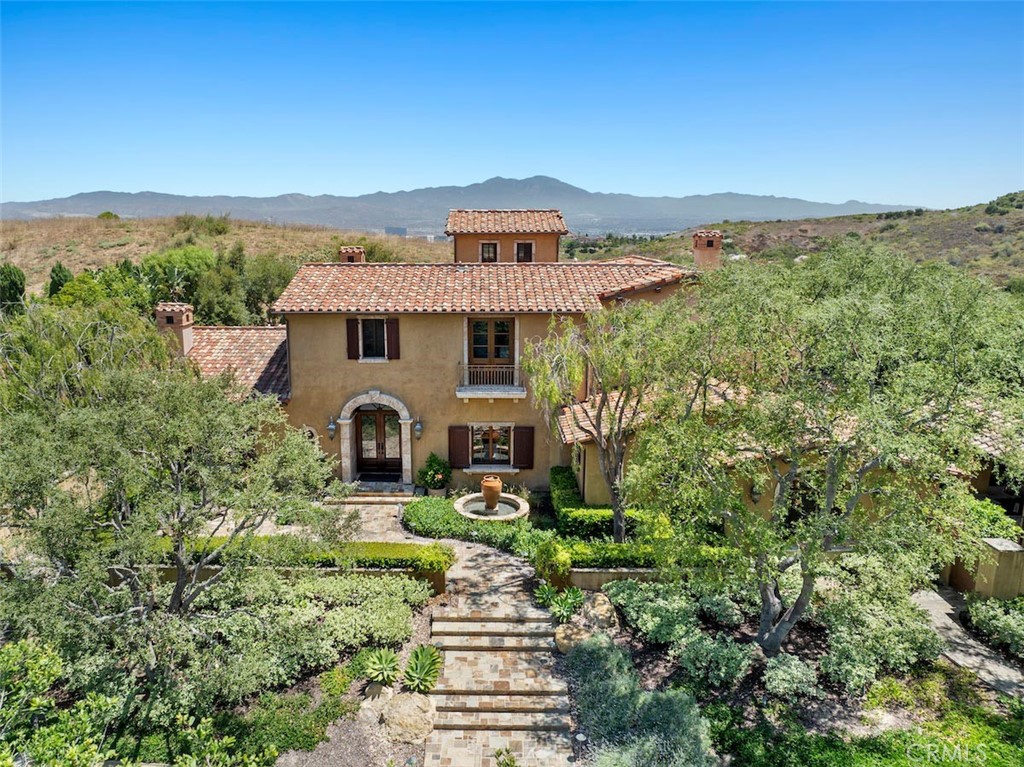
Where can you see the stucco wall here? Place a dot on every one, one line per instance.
(323, 379)
(467, 247)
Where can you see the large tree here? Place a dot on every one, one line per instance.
(598, 372)
(857, 383)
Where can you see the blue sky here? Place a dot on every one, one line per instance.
(913, 103)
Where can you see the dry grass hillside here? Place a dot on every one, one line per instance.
(88, 243)
(986, 239)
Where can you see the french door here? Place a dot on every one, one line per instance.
(378, 441)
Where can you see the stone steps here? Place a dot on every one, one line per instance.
(471, 642)
(502, 721)
(551, 704)
(527, 686)
(491, 613)
(490, 628)
(476, 748)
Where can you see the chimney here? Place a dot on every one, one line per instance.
(707, 249)
(352, 254)
(176, 318)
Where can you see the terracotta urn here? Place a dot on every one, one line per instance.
(490, 486)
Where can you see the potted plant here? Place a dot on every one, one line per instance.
(435, 475)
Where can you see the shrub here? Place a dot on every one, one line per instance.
(575, 519)
(210, 225)
(545, 594)
(60, 276)
(436, 473)
(423, 669)
(437, 518)
(567, 604)
(1000, 622)
(715, 662)
(551, 560)
(108, 215)
(662, 612)
(628, 725)
(720, 609)
(12, 289)
(381, 665)
(790, 678)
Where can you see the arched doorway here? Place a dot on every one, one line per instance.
(376, 438)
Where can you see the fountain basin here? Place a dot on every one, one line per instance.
(509, 507)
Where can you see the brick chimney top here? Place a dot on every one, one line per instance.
(352, 254)
(707, 249)
(177, 318)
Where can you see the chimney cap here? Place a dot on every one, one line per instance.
(707, 233)
(173, 306)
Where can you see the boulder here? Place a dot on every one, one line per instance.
(408, 717)
(568, 636)
(599, 612)
(375, 697)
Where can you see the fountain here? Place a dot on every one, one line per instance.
(491, 503)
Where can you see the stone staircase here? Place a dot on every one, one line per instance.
(498, 688)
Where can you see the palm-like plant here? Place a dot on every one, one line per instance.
(382, 666)
(423, 669)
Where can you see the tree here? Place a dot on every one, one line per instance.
(601, 371)
(60, 276)
(857, 380)
(12, 289)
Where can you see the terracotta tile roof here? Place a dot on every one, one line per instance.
(565, 288)
(173, 306)
(505, 222)
(996, 436)
(707, 233)
(352, 249)
(258, 356)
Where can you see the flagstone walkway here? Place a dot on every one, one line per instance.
(498, 688)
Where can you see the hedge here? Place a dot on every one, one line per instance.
(437, 518)
(573, 517)
(292, 551)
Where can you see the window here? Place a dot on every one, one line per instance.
(170, 319)
(524, 252)
(373, 339)
(711, 243)
(491, 342)
(492, 444)
(488, 252)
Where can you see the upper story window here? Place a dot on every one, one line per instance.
(491, 342)
(488, 252)
(374, 343)
(524, 252)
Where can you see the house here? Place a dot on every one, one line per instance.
(506, 236)
(385, 363)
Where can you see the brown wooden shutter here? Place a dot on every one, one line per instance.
(391, 332)
(458, 447)
(352, 328)
(522, 447)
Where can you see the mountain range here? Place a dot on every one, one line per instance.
(423, 211)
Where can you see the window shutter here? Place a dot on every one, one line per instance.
(352, 328)
(458, 447)
(522, 447)
(391, 331)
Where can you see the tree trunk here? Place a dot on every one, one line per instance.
(776, 623)
(618, 517)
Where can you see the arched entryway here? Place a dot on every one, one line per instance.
(376, 437)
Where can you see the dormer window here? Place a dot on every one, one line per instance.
(488, 252)
(524, 252)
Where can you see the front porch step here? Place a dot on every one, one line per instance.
(489, 628)
(471, 642)
(502, 721)
(532, 704)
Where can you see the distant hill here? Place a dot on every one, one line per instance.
(985, 239)
(423, 211)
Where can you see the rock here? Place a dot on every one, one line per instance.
(600, 613)
(568, 636)
(375, 697)
(408, 717)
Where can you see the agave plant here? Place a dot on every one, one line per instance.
(545, 594)
(423, 668)
(382, 666)
(566, 604)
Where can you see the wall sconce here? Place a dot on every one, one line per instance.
(417, 428)
(332, 428)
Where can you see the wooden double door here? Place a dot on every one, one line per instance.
(378, 440)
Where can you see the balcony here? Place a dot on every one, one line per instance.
(489, 382)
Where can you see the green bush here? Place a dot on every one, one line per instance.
(437, 518)
(575, 519)
(60, 276)
(108, 215)
(662, 612)
(545, 594)
(628, 725)
(551, 560)
(567, 604)
(608, 554)
(423, 669)
(720, 609)
(12, 289)
(789, 678)
(436, 473)
(1001, 622)
(716, 662)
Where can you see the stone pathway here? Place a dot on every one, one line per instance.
(498, 688)
(964, 650)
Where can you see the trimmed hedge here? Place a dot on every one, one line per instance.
(292, 551)
(437, 518)
(573, 517)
